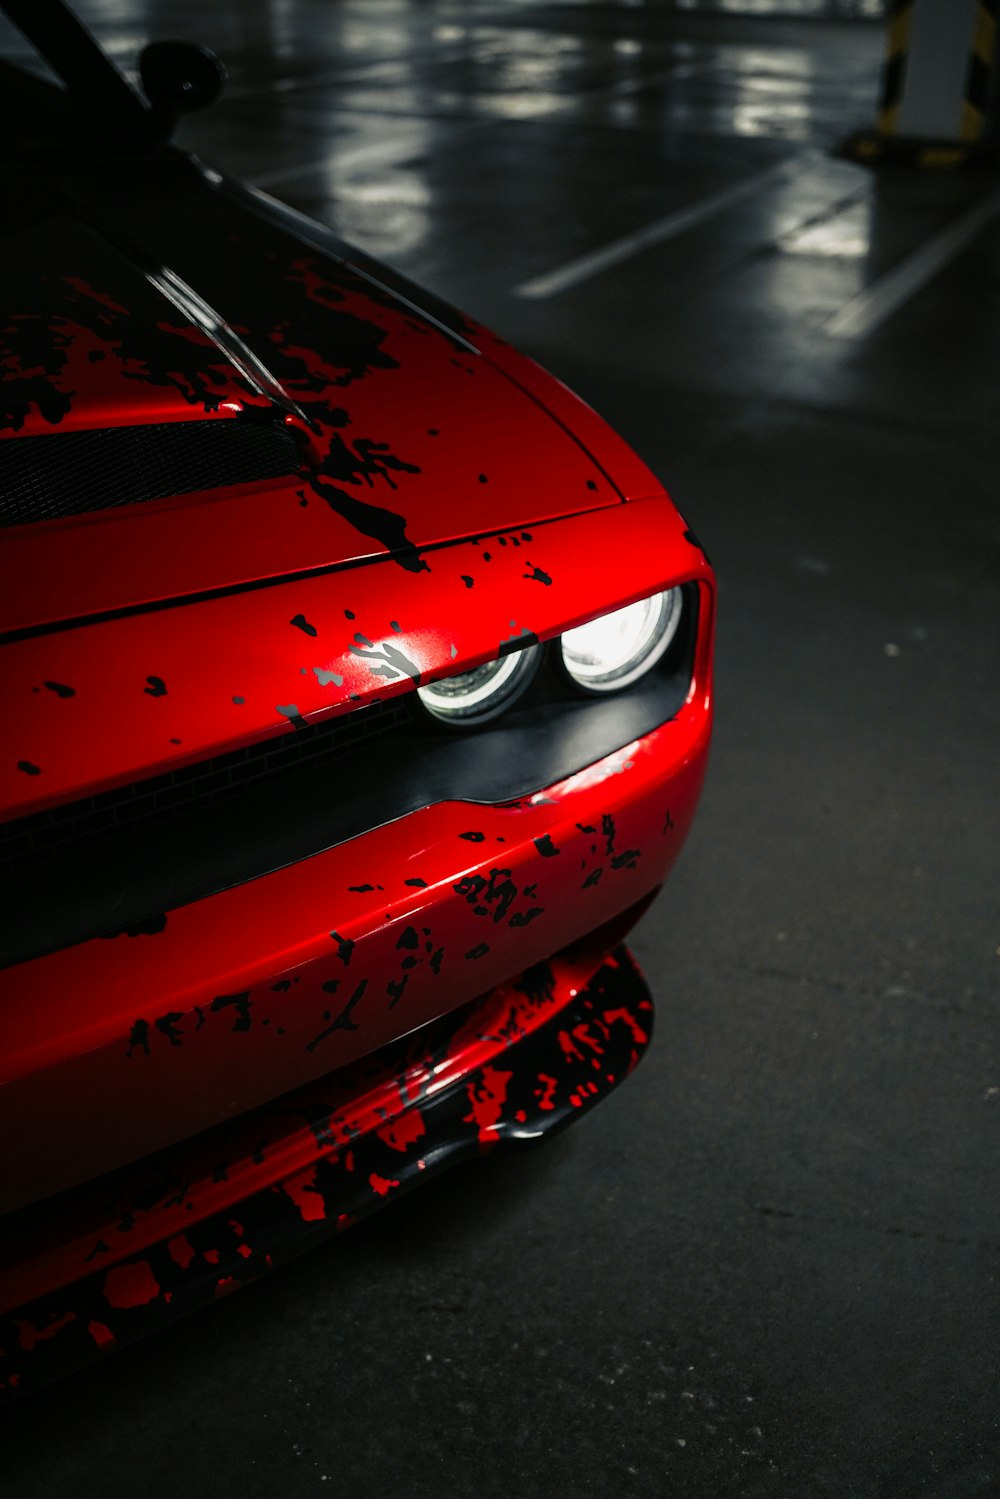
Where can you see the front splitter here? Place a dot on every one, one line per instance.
(211, 1216)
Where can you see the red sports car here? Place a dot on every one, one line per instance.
(357, 686)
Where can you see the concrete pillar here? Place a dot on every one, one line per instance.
(937, 85)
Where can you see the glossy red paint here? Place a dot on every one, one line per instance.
(228, 666)
(256, 989)
(265, 1146)
(452, 503)
(468, 451)
(168, 1236)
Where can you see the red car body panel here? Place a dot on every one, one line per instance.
(411, 413)
(446, 503)
(174, 1234)
(372, 1099)
(283, 978)
(183, 683)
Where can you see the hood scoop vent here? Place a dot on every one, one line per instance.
(72, 473)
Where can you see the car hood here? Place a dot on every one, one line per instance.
(409, 435)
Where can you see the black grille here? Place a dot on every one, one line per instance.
(196, 786)
(69, 473)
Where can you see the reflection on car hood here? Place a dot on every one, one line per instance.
(410, 437)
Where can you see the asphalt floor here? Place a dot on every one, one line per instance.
(767, 1267)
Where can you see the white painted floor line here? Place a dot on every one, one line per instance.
(586, 266)
(865, 312)
(627, 86)
(386, 153)
(399, 149)
(624, 88)
(346, 74)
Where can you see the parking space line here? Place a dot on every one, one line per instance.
(870, 308)
(393, 152)
(399, 149)
(346, 73)
(596, 261)
(627, 87)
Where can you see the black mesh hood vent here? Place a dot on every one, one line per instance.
(70, 473)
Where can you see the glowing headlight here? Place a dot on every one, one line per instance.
(616, 649)
(479, 695)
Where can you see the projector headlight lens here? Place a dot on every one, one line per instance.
(479, 695)
(616, 649)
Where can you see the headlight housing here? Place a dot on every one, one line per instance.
(476, 696)
(614, 650)
(603, 656)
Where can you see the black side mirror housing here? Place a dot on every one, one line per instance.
(178, 77)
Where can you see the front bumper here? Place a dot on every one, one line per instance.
(78, 1279)
(116, 1048)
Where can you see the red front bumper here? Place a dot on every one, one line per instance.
(119, 1047)
(108, 1266)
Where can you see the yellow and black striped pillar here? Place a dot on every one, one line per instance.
(894, 71)
(937, 85)
(979, 79)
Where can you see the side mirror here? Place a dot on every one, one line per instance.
(178, 77)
